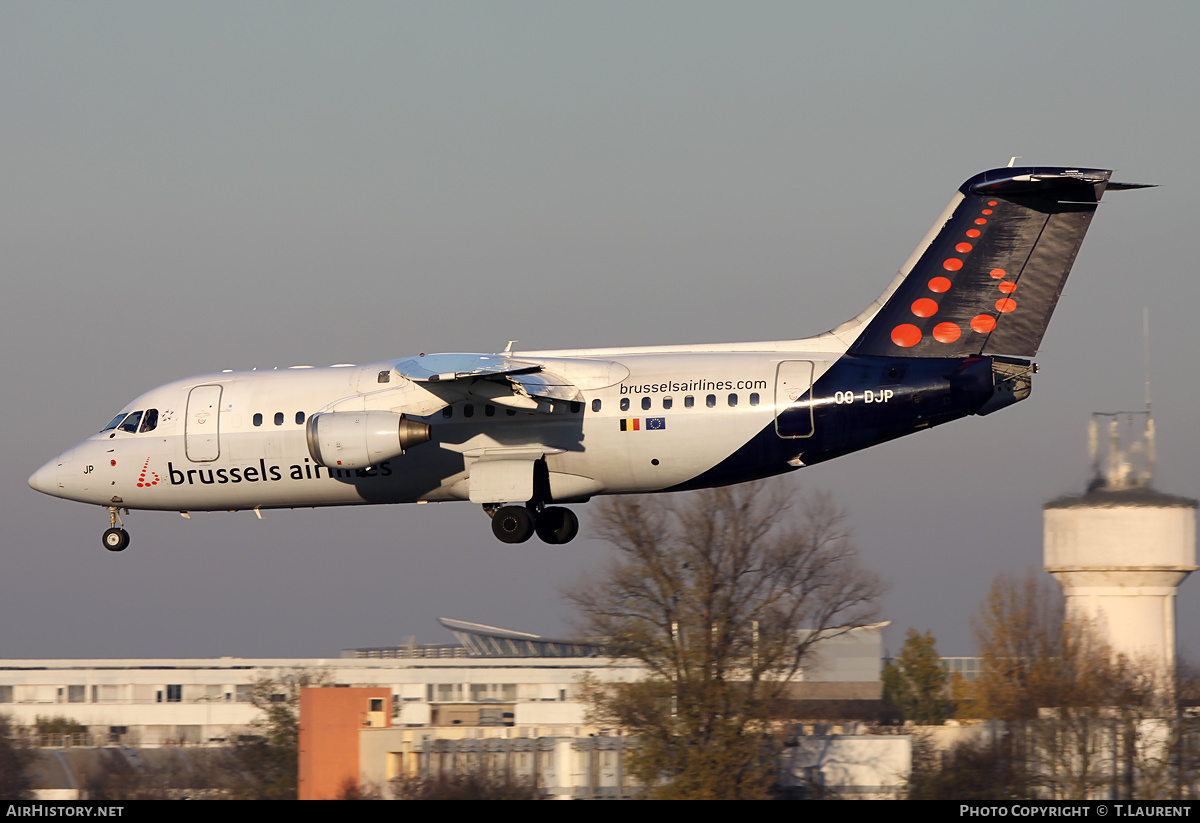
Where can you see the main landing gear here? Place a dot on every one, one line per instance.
(516, 524)
(116, 539)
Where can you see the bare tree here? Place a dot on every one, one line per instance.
(16, 756)
(471, 785)
(267, 761)
(723, 596)
(1082, 722)
(1033, 658)
(158, 774)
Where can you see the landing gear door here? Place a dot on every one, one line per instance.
(201, 440)
(793, 407)
(503, 476)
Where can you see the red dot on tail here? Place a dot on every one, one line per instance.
(906, 335)
(946, 332)
(983, 323)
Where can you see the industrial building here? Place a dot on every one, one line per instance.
(494, 685)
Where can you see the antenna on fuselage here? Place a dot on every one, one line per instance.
(508, 348)
(1012, 161)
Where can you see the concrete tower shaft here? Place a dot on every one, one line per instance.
(1119, 557)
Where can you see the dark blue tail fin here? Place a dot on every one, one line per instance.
(990, 278)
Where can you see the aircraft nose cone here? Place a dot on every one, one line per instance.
(45, 479)
(40, 479)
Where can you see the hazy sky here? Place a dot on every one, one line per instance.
(191, 187)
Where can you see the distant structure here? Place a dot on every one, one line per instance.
(478, 640)
(1121, 549)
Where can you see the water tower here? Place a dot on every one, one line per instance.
(1121, 549)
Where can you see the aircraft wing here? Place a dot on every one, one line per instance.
(435, 368)
(500, 379)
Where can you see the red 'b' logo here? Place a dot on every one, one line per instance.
(142, 481)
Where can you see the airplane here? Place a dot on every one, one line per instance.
(523, 433)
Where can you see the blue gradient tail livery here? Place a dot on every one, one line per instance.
(993, 268)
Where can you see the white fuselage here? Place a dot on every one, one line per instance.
(655, 420)
(951, 336)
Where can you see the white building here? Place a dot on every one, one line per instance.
(165, 701)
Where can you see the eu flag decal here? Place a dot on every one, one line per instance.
(654, 424)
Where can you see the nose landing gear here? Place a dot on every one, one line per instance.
(516, 524)
(116, 539)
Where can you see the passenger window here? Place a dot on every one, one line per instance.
(711, 401)
(511, 412)
(754, 398)
(384, 377)
(645, 402)
(624, 404)
(733, 400)
(448, 412)
(116, 421)
(469, 410)
(299, 418)
(689, 401)
(666, 402)
(278, 418)
(596, 405)
(149, 420)
(489, 410)
(576, 406)
(258, 419)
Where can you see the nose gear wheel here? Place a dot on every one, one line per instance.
(116, 539)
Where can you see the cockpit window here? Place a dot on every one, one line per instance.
(131, 422)
(149, 420)
(116, 421)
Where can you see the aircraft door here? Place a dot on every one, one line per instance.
(793, 380)
(201, 439)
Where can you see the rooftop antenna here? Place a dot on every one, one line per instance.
(1012, 161)
(1130, 457)
(1149, 415)
(1146, 351)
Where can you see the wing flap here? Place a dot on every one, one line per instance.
(435, 368)
(500, 379)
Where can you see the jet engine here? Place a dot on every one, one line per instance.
(356, 440)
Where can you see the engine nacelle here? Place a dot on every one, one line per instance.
(356, 440)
